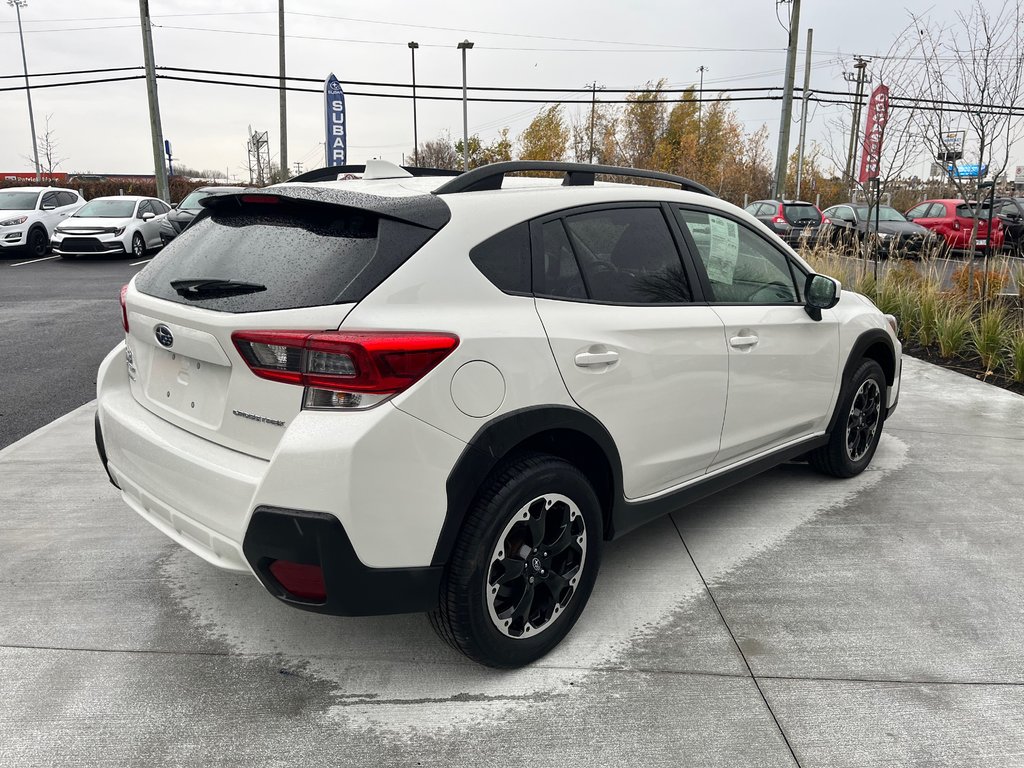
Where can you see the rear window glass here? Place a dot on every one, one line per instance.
(505, 259)
(295, 254)
(802, 213)
(965, 211)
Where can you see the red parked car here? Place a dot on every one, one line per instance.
(953, 219)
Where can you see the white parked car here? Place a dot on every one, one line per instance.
(112, 225)
(400, 394)
(29, 215)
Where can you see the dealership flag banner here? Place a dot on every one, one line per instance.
(878, 116)
(334, 106)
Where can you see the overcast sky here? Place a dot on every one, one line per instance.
(105, 127)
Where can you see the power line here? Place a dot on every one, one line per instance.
(842, 98)
(73, 72)
(77, 82)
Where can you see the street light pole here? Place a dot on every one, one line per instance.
(413, 45)
(464, 46)
(18, 5)
(284, 96)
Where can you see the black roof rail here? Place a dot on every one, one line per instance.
(490, 177)
(331, 173)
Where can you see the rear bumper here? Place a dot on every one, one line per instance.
(353, 589)
(371, 486)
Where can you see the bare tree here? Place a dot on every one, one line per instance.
(48, 152)
(972, 75)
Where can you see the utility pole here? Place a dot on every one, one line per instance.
(861, 77)
(18, 5)
(782, 155)
(464, 46)
(284, 93)
(298, 168)
(803, 115)
(162, 190)
(413, 45)
(700, 101)
(593, 110)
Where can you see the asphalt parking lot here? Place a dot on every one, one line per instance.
(59, 319)
(793, 620)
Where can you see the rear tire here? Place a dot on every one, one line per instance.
(855, 437)
(524, 563)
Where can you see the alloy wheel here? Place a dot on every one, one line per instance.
(862, 424)
(536, 566)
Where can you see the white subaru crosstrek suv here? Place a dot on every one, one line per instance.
(116, 225)
(401, 394)
(29, 215)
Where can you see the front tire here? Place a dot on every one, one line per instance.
(38, 242)
(855, 437)
(524, 564)
(138, 246)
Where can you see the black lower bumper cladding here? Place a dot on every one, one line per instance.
(353, 588)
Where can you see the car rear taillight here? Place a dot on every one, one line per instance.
(344, 369)
(300, 579)
(780, 217)
(124, 307)
(826, 220)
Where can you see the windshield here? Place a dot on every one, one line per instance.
(191, 201)
(18, 201)
(107, 209)
(885, 213)
(802, 212)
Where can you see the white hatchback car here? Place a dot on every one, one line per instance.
(395, 394)
(112, 225)
(28, 216)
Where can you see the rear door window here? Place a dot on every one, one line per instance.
(294, 253)
(628, 256)
(67, 198)
(558, 275)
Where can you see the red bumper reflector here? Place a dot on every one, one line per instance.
(301, 580)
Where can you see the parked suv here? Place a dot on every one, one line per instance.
(400, 394)
(28, 216)
(795, 221)
(185, 211)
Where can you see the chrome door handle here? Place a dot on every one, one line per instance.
(589, 359)
(741, 342)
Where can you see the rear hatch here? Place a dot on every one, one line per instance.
(801, 214)
(965, 219)
(294, 259)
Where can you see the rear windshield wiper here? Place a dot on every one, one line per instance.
(213, 287)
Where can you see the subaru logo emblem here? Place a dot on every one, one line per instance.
(164, 336)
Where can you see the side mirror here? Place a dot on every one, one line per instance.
(48, 207)
(820, 292)
(148, 215)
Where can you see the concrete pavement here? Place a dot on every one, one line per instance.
(791, 620)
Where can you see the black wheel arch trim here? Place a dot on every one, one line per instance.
(497, 438)
(865, 342)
